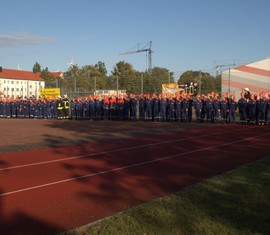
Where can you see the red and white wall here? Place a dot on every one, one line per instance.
(255, 76)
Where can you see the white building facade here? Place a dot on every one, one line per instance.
(17, 83)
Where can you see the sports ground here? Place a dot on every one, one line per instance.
(57, 175)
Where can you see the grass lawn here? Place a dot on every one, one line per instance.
(237, 202)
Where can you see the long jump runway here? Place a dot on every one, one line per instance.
(50, 190)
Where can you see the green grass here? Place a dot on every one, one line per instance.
(234, 203)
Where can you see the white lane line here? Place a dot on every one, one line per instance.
(107, 152)
(127, 167)
(100, 153)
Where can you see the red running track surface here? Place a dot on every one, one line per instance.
(46, 191)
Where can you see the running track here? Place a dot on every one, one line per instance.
(49, 190)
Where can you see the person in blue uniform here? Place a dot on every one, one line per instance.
(53, 107)
(106, 106)
(171, 108)
(126, 107)
(190, 105)
(133, 107)
(268, 110)
(86, 108)
(261, 107)
(177, 108)
(223, 108)
(48, 109)
(216, 108)
(208, 108)
(247, 97)
(184, 109)
(13, 108)
(198, 108)
(252, 109)
(148, 107)
(155, 107)
(232, 108)
(120, 107)
(142, 107)
(98, 108)
(203, 99)
(73, 106)
(32, 108)
(162, 108)
(8, 108)
(242, 107)
(92, 108)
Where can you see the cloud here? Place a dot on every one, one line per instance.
(18, 39)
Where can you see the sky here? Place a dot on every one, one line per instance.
(185, 34)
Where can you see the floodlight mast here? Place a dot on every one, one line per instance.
(142, 47)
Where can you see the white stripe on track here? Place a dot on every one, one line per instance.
(99, 153)
(107, 152)
(128, 166)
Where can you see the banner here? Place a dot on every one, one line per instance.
(171, 88)
(50, 92)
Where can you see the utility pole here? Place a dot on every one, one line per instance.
(200, 82)
(117, 84)
(95, 85)
(75, 81)
(142, 83)
(229, 83)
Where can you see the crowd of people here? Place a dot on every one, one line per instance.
(182, 107)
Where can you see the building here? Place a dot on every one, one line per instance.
(255, 76)
(18, 83)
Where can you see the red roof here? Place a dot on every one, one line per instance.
(57, 74)
(20, 75)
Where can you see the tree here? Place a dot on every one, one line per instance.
(36, 68)
(208, 82)
(124, 74)
(50, 80)
(101, 68)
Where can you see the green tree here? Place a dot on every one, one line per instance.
(124, 73)
(208, 82)
(36, 68)
(101, 68)
(50, 80)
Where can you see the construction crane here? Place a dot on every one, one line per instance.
(222, 65)
(142, 47)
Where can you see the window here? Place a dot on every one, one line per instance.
(17, 82)
(17, 89)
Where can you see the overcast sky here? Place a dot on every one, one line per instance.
(185, 34)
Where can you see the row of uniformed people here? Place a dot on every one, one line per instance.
(123, 107)
(27, 108)
(253, 109)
